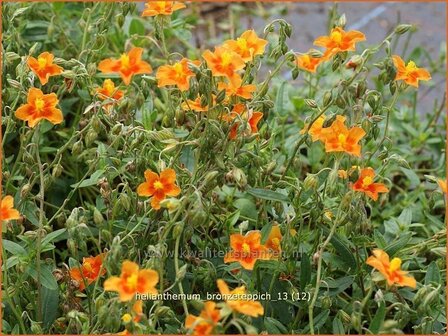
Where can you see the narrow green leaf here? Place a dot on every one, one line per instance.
(268, 195)
(93, 180)
(13, 248)
(46, 277)
(378, 319)
(432, 274)
(305, 271)
(50, 304)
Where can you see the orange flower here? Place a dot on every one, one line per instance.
(409, 72)
(390, 270)
(132, 281)
(248, 45)
(90, 270)
(366, 185)
(224, 62)
(237, 300)
(137, 310)
(274, 239)
(206, 321)
(44, 67)
(177, 74)
(309, 63)
(7, 211)
(153, 8)
(235, 88)
(38, 107)
(442, 185)
(339, 40)
(127, 65)
(338, 138)
(247, 249)
(159, 187)
(195, 105)
(253, 118)
(316, 129)
(109, 91)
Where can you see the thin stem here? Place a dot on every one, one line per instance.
(176, 266)
(41, 225)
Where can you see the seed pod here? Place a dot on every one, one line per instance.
(91, 136)
(57, 170)
(295, 73)
(327, 98)
(77, 148)
(220, 96)
(210, 180)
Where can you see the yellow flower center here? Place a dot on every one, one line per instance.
(226, 59)
(411, 67)
(109, 86)
(132, 280)
(88, 267)
(158, 185)
(124, 59)
(336, 37)
(241, 43)
(246, 248)
(395, 264)
(366, 181)
(39, 104)
(42, 62)
(342, 138)
(126, 318)
(276, 242)
(178, 68)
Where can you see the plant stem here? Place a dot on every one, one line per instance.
(176, 266)
(41, 224)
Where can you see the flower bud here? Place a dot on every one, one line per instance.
(311, 103)
(310, 182)
(177, 230)
(181, 273)
(402, 28)
(97, 216)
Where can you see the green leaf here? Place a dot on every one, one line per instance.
(432, 274)
(338, 327)
(46, 277)
(265, 232)
(13, 248)
(52, 236)
(378, 319)
(398, 245)
(93, 180)
(379, 239)
(405, 217)
(305, 271)
(412, 176)
(50, 304)
(136, 27)
(319, 321)
(338, 286)
(342, 248)
(247, 208)
(268, 195)
(273, 326)
(279, 100)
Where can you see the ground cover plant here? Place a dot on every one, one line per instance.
(155, 186)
